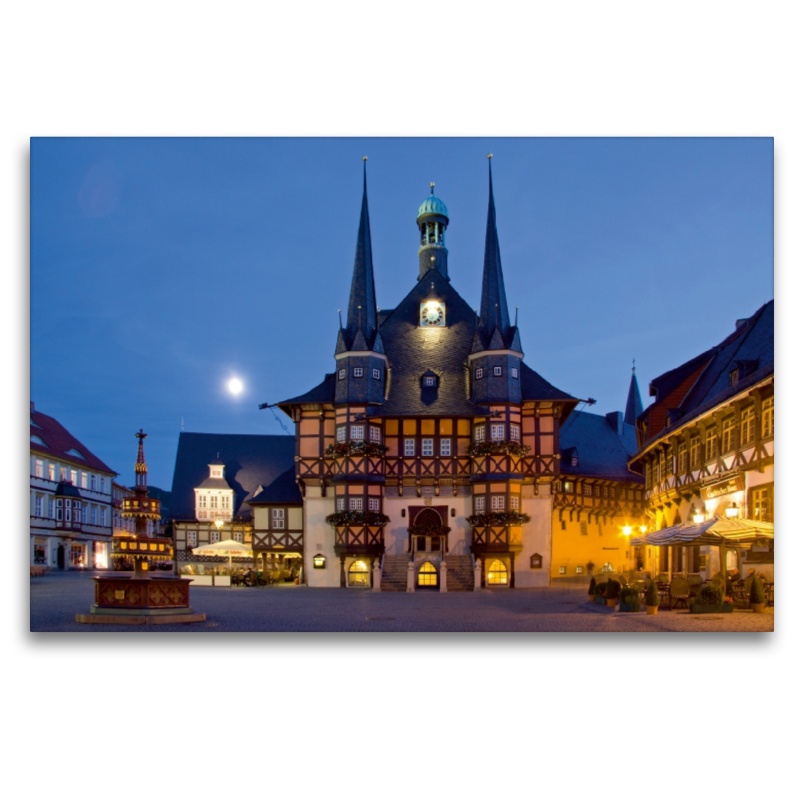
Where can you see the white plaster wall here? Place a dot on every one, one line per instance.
(756, 478)
(536, 538)
(317, 531)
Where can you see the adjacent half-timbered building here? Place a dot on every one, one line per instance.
(706, 446)
(240, 487)
(426, 459)
(598, 502)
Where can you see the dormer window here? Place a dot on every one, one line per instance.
(498, 371)
(342, 373)
(478, 373)
(733, 375)
(376, 373)
(358, 372)
(73, 452)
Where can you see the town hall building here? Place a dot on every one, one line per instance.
(432, 457)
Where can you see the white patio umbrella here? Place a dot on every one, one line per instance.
(227, 547)
(719, 531)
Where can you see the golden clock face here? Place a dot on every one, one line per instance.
(431, 314)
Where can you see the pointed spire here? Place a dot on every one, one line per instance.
(362, 288)
(633, 408)
(493, 293)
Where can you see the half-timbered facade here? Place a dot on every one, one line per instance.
(240, 487)
(706, 445)
(427, 457)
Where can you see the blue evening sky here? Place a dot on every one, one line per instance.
(160, 268)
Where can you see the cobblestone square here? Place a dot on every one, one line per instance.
(58, 597)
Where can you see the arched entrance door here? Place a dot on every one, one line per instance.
(358, 574)
(497, 574)
(428, 577)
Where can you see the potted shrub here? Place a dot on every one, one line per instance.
(600, 597)
(757, 598)
(711, 599)
(629, 599)
(592, 588)
(612, 592)
(651, 597)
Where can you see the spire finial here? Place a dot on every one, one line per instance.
(432, 186)
(633, 368)
(516, 316)
(340, 319)
(359, 317)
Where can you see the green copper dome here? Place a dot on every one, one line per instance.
(432, 205)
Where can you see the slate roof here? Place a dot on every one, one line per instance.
(250, 461)
(58, 441)
(753, 342)
(324, 392)
(602, 451)
(283, 489)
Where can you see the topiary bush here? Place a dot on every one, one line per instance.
(612, 589)
(711, 594)
(601, 589)
(651, 597)
(757, 591)
(630, 595)
(592, 586)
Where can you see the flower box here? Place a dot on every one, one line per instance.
(711, 608)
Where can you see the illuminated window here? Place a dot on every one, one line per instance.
(38, 469)
(562, 570)
(497, 574)
(761, 503)
(498, 371)
(226, 501)
(498, 503)
(73, 474)
(444, 447)
(191, 538)
(513, 431)
(480, 502)
(51, 471)
(498, 432)
(711, 444)
(278, 518)
(587, 490)
(578, 570)
(358, 574)
(409, 447)
(682, 459)
(748, 425)
(84, 480)
(427, 575)
(694, 452)
(341, 433)
(374, 433)
(727, 435)
(202, 501)
(374, 504)
(356, 503)
(514, 502)
(214, 537)
(427, 447)
(605, 491)
(238, 536)
(213, 501)
(480, 433)
(569, 486)
(358, 372)
(597, 490)
(669, 462)
(479, 373)
(357, 433)
(62, 473)
(768, 418)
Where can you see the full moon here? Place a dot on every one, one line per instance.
(235, 386)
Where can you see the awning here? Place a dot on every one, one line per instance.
(714, 531)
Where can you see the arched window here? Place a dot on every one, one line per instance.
(497, 574)
(358, 574)
(427, 575)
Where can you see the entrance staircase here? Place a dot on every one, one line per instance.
(395, 573)
(460, 575)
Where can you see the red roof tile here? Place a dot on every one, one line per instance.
(58, 441)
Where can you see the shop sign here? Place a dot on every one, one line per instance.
(734, 484)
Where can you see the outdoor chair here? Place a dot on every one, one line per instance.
(679, 592)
